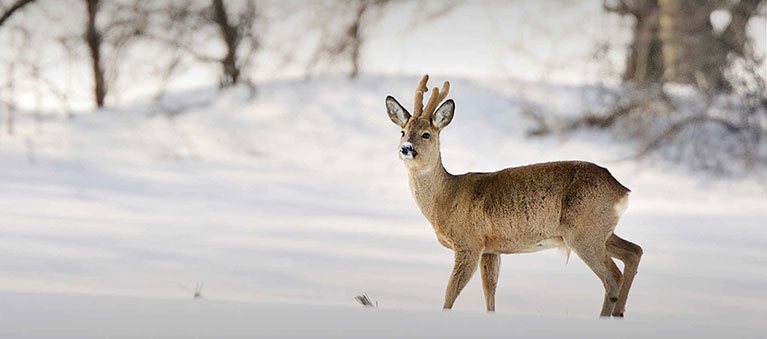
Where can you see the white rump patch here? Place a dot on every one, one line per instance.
(621, 205)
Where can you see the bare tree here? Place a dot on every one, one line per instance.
(231, 34)
(674, 40)
(113, 32)
(721, 124)
(93, 38)
(344, 43)
(111, 28)
(9, 86)
(353, 42)
(108, 28)
(24, 70)
(644, 64)
(191, 27)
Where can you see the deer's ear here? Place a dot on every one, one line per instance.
(443, 115)
(397, 113)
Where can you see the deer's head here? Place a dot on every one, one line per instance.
(419, 140)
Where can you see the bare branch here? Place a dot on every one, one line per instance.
(345, 43)
(181, 46)
(15, 7)
(677, 127)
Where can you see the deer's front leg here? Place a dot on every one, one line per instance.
(465, 263)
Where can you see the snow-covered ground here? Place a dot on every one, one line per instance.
(84, 317)
(297, 196)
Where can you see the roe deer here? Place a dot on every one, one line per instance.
(569, 204)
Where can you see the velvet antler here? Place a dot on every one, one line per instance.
(419, 91)
(437, 96)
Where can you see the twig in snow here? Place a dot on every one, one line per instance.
(365, 301)
(197, 289)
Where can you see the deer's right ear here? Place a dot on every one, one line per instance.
(398, 114)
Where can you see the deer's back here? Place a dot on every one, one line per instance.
(528, 204)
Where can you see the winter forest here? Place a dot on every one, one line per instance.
(164, 163)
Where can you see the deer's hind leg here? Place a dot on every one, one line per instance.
(630, 254)
(594, 253)
(490, 264)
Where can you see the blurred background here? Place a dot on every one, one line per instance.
(240, 149)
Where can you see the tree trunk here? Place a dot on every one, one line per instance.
(231, 70)
(691, 52)
(355, 38)
(674, 40)
(644, 64)
(93, 39)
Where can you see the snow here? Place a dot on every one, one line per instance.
(82, 317)
(295, 202)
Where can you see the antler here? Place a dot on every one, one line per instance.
(419, 91)
(436, 97)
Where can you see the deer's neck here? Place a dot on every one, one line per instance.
(431, 189)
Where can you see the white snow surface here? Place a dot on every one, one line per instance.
(84, 317)
(296, 200)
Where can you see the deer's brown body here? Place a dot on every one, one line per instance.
(516, 210)
(571, 204)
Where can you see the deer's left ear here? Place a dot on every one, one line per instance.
(398, 114)
(444, 114)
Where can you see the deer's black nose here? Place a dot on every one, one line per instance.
(404, 149)
(407, 149)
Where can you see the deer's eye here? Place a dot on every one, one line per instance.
(426, 135)
(402, 133)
